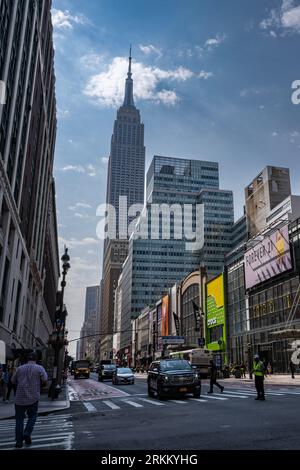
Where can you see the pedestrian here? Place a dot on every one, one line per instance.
(292, 369)
(1, 381)
(28, 379)
(259, 372)
(10, 385)
(213, 378)
(5, 380)
(243, 370)
(269, 368)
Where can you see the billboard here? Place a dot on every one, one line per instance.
(165, 316)
(215, 331)
(268, 258)
(215, 311)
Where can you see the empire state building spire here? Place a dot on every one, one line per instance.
(128, 100)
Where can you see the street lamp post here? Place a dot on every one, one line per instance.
(57, 339)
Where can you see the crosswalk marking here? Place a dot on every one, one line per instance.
(89, 406)
(216, 398)
(181, 402)
(133, 403)
(111, 405)
(267, 392)
(158, 403)
(232, 396)
(49, 431)
(200, 400)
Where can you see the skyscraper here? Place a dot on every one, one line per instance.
(29, 263)
(126, 170)
(155, 265)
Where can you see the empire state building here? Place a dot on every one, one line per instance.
(126, 177)
(126, 167)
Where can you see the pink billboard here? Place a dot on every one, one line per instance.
(268, 258)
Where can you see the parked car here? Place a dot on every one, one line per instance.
(106, 372)
(168, 377)
(123, 375)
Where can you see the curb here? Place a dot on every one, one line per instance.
(46, 412)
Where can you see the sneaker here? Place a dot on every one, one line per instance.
(19, 445)
(210, 391)
(222, 389)
(27, 440)
(256, 398)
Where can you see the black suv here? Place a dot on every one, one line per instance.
(168, 377)
(106, 371)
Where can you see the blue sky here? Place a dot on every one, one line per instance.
(212, 79)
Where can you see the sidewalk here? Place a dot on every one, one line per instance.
(46, 405)
(274, 379)
(277, 379)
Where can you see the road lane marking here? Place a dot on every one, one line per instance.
(217, 398)
(89, 406)
(132, 403)
(201, 400)
(269, 393)
(42, 438)
(179, 401)
(233, 396)
(111, 405)
(152, 402)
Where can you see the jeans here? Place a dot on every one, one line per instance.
(20, 416)
(259, 385)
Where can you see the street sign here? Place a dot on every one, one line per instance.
(173, 339)
(201, 342)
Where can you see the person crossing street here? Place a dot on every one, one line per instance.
(213, 378)
(259, 375)
(28, 379)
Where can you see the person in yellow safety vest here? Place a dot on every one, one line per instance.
(259, 374)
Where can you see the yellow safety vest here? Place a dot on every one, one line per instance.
(258, 369)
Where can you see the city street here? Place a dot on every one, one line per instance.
(102, 417)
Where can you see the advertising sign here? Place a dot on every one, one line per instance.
(215, 337)
(173, 339)
(165, 316)
(268, 258)
(215, 314)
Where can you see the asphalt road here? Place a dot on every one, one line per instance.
(102, 417)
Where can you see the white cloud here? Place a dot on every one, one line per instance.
(89, 169)
(212, 43)
(91, 61)
(254, 91)
(76, 168)
(150, 49)
(63, 113)
(82, 205)
(286, 19)
(107, 88)
(274, 134)
(80, 216)
(205, 75)
(105, 160)
(74, 243)
(65, 20)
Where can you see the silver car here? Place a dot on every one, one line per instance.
(123, 375)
